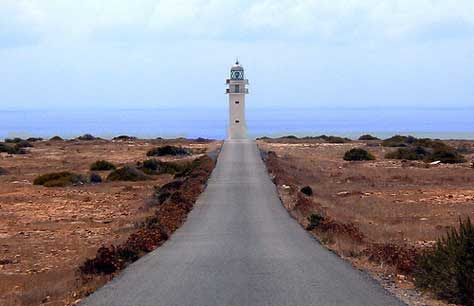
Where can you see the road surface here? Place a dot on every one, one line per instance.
(239, 247)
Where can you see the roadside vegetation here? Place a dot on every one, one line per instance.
(448, 268)
(172, 203)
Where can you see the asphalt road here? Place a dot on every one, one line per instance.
(239, 246)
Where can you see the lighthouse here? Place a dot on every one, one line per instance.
(237, 89)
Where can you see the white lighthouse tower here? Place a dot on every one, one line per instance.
(237, 89)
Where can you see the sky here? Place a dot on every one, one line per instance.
(296, 53)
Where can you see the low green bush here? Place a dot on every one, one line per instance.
(448, 269)
(11, 149)
(168, 150)
(34, 139)
(290, 137)
(358, 154)
(23, 144)
(127, 173)
(153, 166)
(336, 139)
(59, 179)
(13, 140)
(330, 139)
(56, 138)
(124, 137)
(368, 137)
(398, 141)
(417, 153)
(102, 165)
(87, 137)
(446, 156)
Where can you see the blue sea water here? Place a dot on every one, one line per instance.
(442, 123)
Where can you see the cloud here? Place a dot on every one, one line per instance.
(313, 20)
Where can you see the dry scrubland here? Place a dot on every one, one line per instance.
(46, 233)
(380, 214)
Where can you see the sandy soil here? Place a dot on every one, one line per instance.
(46, 233)
(409, 204)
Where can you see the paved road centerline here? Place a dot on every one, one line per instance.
(239, 246)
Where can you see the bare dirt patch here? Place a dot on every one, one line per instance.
(383, 212)
(46, 233)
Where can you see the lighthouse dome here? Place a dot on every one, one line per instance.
(237, 67)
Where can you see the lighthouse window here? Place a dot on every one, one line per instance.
(237, 88)
(237, 121)
(237, 102)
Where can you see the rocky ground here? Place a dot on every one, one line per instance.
(46, 233)
(377, 212)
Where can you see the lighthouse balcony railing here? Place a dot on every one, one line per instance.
(229, 91)
(230, 80)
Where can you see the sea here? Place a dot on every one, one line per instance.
(443, 123)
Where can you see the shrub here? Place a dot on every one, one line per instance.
(417, 153)
(168, 150)
(59, 179)
(314, 221)
(105, 262)
(87, 137)
(56, 138)
(368, 137)
(357, 154)
(465, 149)
(398, 141)
(102, 165)
(95, 178)
(290, 137)
(34, 139)
(447, 156)
(153, 166)
(3, 171)
(307, 190)
(127, 173)
(23, 144)
(124, 137)
(448, 269)
(336, 139)
(202, 140)
(164, 192)
(14, 140)
(11, 150)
